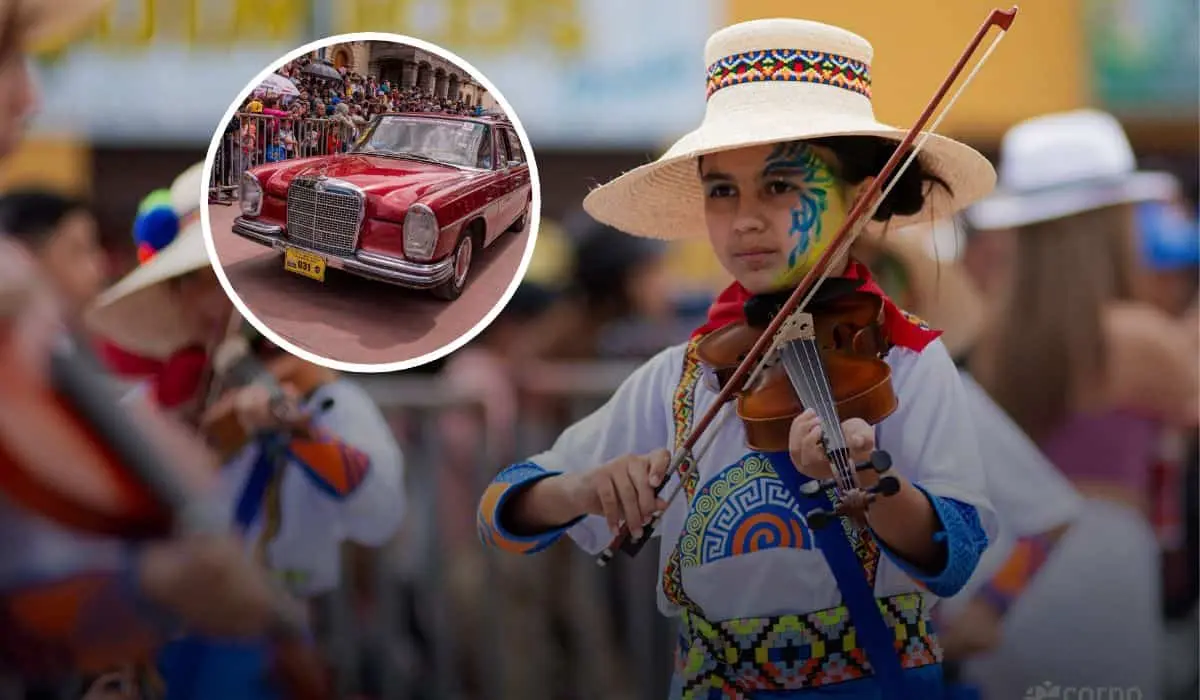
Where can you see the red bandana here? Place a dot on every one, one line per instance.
(905, 330)
(174, 380)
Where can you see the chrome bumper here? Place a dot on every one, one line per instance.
(363, 264)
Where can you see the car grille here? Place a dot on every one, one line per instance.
(327, 221)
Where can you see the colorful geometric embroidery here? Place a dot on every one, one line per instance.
(794, 652)
(790, 65)
(682, 409)
(490, 505)
(744, 509)
(866, 549)
(336, 466)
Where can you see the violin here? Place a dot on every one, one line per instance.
(72, 453)
(236, 365)
(815, 356)
(830, 359)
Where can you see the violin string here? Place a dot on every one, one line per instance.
(822, 396)
(810, 372)
(841, 455)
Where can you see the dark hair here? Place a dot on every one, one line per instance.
(604, 260)
(861, 157)
(32, 216)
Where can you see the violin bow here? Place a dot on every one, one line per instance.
(864, 207)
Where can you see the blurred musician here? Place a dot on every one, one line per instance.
(313, 463)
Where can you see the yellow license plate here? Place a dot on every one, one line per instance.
(304, 263)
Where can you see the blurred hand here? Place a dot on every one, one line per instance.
(210, 583)
(116, 685)
(622, 490)
(255, 412)
(808, 453)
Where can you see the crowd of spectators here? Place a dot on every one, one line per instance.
(327, 116)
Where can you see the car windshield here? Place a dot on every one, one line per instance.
(439, 140)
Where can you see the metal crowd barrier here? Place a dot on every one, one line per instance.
(250, 139)
(423, 618)
(545, 626)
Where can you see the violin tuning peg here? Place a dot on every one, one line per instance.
(887, 486)
(879, 461)
(818, 519)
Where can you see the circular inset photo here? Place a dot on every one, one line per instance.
(373, 202)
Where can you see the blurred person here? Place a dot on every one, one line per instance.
(70, 601)
(739, 560)
(1169, 256)
(1169, 267)
(1092, 375)
(1035, 504)
(276, 151)
(302, 483)
(616, 280)
(61, 233)
(484, 373)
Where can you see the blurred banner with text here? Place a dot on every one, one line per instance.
(579, 73)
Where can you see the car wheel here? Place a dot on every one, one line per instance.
(452, 288)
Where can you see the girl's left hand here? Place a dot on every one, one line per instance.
(808, 453)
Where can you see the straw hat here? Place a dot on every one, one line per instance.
(1057, 165)
(944, 296)
(47, 24)
(772, 81)
(137, 313)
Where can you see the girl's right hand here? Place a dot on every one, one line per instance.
(623, 490)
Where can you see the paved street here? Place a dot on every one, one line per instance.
(350, 319)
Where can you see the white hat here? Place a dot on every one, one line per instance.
(137, 313)
(1062, 164)
(772, 81)
(45, 24)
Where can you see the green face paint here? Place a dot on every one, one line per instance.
(818, 213)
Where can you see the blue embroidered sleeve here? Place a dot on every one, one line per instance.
(964, 538)
(492, 530)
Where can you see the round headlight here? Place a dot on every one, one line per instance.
(420, 232)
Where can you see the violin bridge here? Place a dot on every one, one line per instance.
(798, 326)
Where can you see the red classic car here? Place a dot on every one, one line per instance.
(410, 203)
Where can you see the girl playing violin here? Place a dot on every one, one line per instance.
(771, 604)
(311, 465)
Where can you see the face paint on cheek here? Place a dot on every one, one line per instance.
(819, 212)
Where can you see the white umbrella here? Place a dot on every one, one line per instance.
(279, 85)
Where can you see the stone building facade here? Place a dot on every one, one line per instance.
(405, 66)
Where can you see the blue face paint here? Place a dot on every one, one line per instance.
(819, 211)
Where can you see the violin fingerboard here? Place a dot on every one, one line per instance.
(802, 362)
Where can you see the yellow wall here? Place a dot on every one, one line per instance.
(1039, 67)
(62, 164)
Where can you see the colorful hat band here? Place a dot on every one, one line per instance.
(792, 66)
